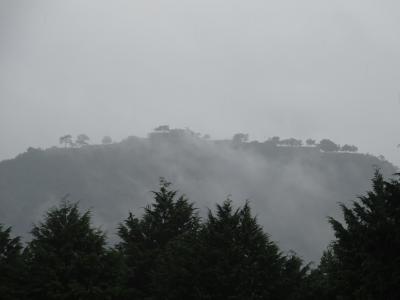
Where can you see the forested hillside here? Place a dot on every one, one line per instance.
(169, 252)
(292, 188)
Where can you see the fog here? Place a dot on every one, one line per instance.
(292, 190)
(319, 69)
(306, 69)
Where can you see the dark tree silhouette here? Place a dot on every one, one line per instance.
(67, 258)
(82, 140)
(310, 142)
(106, 140)
(328, 146)
(363, 262)
(349, 148)
(275, 140)
(66, 140)
(11, 265)
(291, 142)
(145, 239)
(177, 269)
(239, 138)
(238, 260)
(163, 128)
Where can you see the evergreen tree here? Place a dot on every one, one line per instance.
(320, 282)
(364, 262)
(238, 259)
(177, 269)
(145, 240)
(327, 276)
(294, 278)
(11, 265)
(67, 258)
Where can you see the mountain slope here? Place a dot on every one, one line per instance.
(292, 189)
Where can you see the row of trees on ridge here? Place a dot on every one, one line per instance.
(81, 140)
(324, 145)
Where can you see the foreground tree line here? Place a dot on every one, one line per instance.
(170, 253)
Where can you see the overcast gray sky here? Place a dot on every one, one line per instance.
(311, 68)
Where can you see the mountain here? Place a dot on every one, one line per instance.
(292, 189)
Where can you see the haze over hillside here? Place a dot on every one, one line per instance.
(312, 68)
(292, 188)
(314, 83)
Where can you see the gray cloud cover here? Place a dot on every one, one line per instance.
(291, 68)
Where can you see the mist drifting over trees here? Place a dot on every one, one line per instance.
(281, 192)
(292, 188)
(170, 252)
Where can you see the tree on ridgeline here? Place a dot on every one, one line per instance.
(66, 140)
(349, 148)
(274, 140)
(82, 140)
(67, 258)
(328, 146)
(292, 142)
(310, 142)
(162, 128)
(106, 140)
(11, 265)
(240, 138)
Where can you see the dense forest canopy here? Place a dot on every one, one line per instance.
(169, 252)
